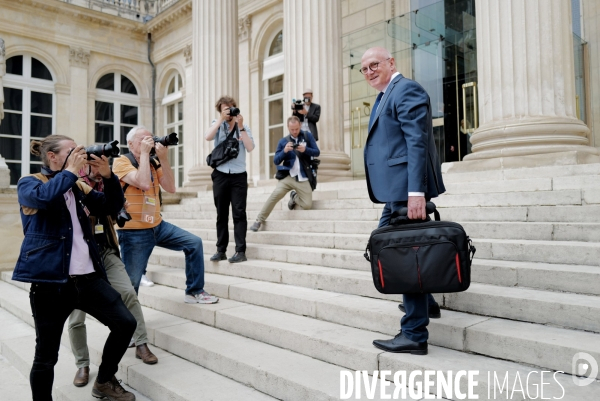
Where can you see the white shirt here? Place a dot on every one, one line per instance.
(304, 126)
(394, 75)
(81, 261)
(295, 170)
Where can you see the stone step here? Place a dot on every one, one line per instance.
(217, 348)
(492, 186)
(351, 348)
(17, 344)
(557, 308)
(586, 232)
(507, 199)
(173, 378)
(576, 182)
(551, 214)
(576, 279)
(381, 315)
(568, 170)
(370, 214)
(567, 310)
(560, 252)
(564, 252)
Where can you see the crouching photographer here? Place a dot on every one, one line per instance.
(60, 257)
(230, 180)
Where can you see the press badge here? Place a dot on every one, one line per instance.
(148, 209)
(98, 229)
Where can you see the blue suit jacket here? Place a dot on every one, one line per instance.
(400, 153)
(285, 161)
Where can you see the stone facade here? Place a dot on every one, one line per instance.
(79, 44)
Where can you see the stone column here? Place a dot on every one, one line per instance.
(313, 59)
(78, 99)
(215, 72)
(526, 83)
(4, 171)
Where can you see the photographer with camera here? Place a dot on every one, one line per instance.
(142, 177)
(293, 160)
(230, 180)
(108, 245)
(61, 260)
(308, 113)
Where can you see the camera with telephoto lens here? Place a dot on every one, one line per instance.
(234, 112)
(297, 105)
(110, 149)
(166, 140)
(123, 217)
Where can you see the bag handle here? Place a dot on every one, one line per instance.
(401, 216)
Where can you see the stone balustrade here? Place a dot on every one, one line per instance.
(138, 10)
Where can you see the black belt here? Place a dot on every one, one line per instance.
(88, 276)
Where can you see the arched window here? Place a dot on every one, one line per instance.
(117, 105)
(29, 110)
(173, 117)
(273, 102)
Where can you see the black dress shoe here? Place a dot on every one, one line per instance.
(218, 256)
(401, 344)
(434, 311)
(238, 257)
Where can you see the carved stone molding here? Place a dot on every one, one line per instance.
(187, 53)
(244, 25)
(2, 50)
(79, 57)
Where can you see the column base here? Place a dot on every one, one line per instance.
(335, 166)
(199, 179)
(556, 158)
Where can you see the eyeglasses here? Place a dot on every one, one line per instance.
(373, 66)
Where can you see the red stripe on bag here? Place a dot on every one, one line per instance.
(381, 274)
(458, 269)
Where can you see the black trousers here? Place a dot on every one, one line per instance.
(230, 189)
(51, 305)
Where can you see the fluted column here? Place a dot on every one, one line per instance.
(526, 80)
(215, 72)
(313, 59)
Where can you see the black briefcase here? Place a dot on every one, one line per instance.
(420, 257)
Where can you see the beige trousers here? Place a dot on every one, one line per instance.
(303, 196)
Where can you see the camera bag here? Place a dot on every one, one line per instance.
(420, 256)
(221, 153)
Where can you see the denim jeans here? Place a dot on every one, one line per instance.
(414, 322)
(51, 305)
(137, 245)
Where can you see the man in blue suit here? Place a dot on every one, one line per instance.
(402, 169)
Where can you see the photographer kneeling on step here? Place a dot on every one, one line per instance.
(293, 160)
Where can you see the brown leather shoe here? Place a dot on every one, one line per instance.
(82, 377)
(143, 352)
(112, 390)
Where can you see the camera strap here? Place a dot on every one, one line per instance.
(153, 163)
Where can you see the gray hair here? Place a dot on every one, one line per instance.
(132, 132)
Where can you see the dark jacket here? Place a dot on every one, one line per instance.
(400, 153)
(285, 161)
(45, 252)
(313, 115)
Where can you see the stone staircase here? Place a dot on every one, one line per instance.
(304, 308)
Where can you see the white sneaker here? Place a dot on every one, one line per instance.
(146, 282)
(202, 298)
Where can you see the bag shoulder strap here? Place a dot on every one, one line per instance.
(153, 161)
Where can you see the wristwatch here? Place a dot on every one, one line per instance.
(243, 129)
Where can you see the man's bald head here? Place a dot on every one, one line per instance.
(378, 66)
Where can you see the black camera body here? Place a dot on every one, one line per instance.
(232, 149)
(295, 145)
(234, 111)
(298, 105)
(110, 149)
(123, 217)
(166, 140)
